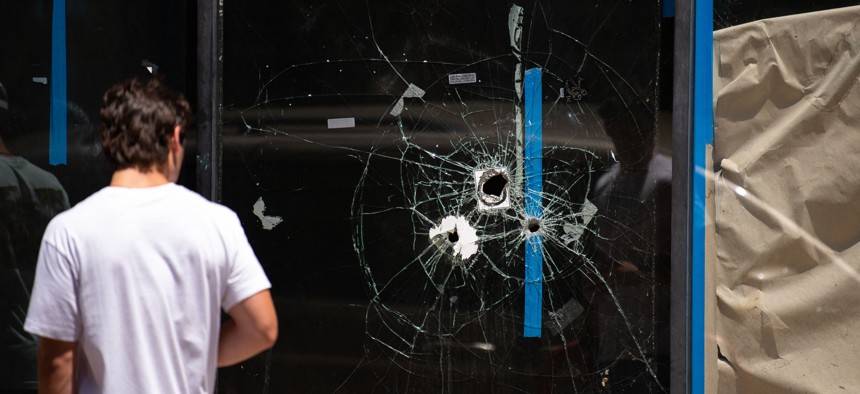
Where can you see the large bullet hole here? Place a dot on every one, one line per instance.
(492, 185)
(495, 186)
(533, 225)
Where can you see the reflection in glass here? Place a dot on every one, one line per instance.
(29, 198)
(105, 42)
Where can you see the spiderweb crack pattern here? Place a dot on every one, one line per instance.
(438, 319)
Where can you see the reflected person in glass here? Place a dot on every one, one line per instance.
(633, 253)
(29, 198)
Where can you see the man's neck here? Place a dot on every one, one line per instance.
(134, 178)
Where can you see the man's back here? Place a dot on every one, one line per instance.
(138, 276)
(130, 282)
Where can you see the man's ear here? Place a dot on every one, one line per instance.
(176, 138)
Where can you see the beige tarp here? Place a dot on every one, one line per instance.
(786, 287)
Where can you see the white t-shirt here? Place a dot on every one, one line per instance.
(138, 276)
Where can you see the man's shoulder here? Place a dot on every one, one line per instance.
(33, 175)
(193, 200)
(122, 208)
(119, 199)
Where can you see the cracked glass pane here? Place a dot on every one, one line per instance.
(450, 196)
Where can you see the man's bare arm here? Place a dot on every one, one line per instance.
(252, 329)
(56, 361)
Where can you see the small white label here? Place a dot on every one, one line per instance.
(458, 79)
(341, 123)
(42, 80)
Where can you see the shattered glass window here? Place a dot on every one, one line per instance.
(452, 196)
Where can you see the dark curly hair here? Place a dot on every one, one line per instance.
(139, 117)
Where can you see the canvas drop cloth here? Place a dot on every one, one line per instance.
(786, 154)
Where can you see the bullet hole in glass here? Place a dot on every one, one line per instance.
(453, 236)
(492, 187)
(495, 186)
(533, 225)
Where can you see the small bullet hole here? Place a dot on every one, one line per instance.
(453, 237)
(533, 225)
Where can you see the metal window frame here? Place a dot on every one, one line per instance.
(682, 127)
(692, 130)
(209, 79)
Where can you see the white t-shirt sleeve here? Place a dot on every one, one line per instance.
(53, 311)
(245, 277)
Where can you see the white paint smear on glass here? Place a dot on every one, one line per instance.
(269, 222)
(412, 91)
(467, 238)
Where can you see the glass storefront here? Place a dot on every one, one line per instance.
(479, 196)
(452, 197)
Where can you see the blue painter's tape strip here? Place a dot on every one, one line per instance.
(703, 135)
(533, 204)
(59, 127)
(668, 8)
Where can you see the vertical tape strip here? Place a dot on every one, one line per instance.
(703, 135)
(668, 9)
(59, 128)
(533, 204)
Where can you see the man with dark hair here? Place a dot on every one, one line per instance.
(130, 282)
